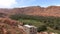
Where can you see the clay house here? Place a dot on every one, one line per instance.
(30, 29)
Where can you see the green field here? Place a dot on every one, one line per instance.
(33, 22)
(50, 24)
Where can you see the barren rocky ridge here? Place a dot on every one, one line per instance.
(34, 10)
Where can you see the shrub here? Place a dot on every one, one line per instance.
(42, 28)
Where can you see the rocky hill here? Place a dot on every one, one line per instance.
(8, 26)
(34, 10)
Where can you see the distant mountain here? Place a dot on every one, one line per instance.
(34, 10)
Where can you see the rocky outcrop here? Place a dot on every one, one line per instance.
(9, 26)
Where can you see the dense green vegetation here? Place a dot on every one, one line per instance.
(39, 21)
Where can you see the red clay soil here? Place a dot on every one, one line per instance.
(10, 26)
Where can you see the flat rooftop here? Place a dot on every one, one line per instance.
(29, 26)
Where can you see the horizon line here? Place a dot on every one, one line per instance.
(32, 6)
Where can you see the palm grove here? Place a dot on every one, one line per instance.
(40, 22)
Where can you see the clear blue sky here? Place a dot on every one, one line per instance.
(42, 3)
(23, 3)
